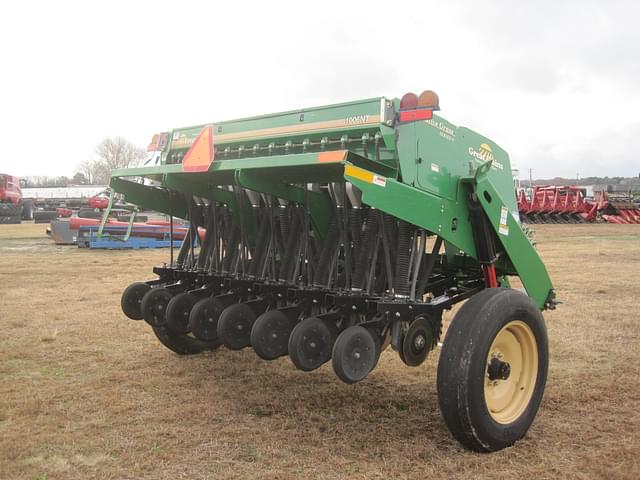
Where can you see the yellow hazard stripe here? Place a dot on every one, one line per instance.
(359, 173)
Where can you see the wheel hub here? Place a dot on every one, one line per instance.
(498, 370)
(511, 371)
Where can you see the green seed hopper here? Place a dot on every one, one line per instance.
(333, 233)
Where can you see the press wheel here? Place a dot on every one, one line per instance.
(154, 306)
(203, 318)
(182, 344)
(178, 310)
(310, 344)
(355, 354)
(270, 335)
(234, 326)
(131, 300)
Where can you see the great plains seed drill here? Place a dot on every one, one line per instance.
(332, 233)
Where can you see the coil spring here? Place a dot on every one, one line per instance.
(231, 249)
(331, 243)
(356, 219)
(287, 265)
(403, 257)
(365, 251)
(390, 230)
(283, 215)
(262, 241)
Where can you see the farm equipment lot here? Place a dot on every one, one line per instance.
(86, 393)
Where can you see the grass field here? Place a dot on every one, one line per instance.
(86, 393)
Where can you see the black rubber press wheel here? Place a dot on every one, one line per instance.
(131, 300)
(270, 335)
(182, 344)
(178, 310)
(355, 354)
(493, 369)
(154, 306)
(234, 326)
(310, 344)
(203, 319)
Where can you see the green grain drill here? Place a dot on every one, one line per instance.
(334, 233)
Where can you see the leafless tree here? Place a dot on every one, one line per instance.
(87, 168)
(111, 153)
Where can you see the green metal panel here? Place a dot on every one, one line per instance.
(421, 208)
(191, 183)
(239, 138)
(441, 160)
(320, 204)
(421, 172)
(222, 172)
(151, 198)
(152, 173)
(434, 154)
(521, 252)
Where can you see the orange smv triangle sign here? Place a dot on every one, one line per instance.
(200, 155)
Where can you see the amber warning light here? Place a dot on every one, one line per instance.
(158, 142)
(414, 107)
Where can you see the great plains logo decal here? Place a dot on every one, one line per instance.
(484, 154)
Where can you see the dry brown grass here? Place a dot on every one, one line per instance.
(85, 393)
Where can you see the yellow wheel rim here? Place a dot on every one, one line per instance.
(511, 371)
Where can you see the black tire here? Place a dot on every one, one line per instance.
(27, 209)
(178, 310)
(270, 335)
(44, 216)
(89, 213)
(355, 354)
(154, 306)
(10, 209)
(310, 344)
(464, 372)
(203, 319)
(138, 218)
(12, 220)
(234, 326)
(131, 300)
(182, 344)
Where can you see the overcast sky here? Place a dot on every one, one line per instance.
(555, 83)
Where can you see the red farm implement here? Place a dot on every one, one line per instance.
(567, 204)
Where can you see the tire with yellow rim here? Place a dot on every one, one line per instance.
(493, 369)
